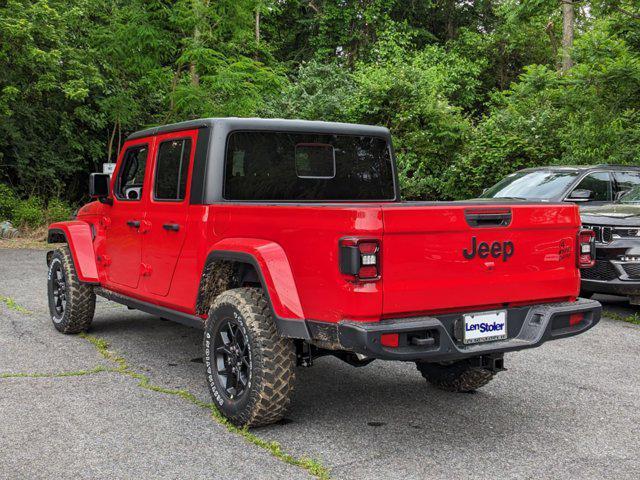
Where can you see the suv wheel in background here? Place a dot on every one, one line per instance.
(250, 368)
(462, 376)
(71, 303)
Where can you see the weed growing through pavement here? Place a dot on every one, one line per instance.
(12, 305)
(633, 318)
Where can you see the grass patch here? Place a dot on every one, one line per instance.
(633, 318)
(12, 305)
(24, 243)
(274, 448)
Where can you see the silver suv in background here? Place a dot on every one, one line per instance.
(585, 185)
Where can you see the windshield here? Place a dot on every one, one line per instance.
(540, 185)
(632, 196)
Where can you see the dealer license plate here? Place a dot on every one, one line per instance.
(485, 326)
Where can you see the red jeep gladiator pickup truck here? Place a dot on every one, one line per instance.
(287, 240)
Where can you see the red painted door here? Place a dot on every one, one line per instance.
(167, 209)
(123, 246)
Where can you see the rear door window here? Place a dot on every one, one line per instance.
(283, 166)
(172, 169)
(131, 174)
(626, 180)
(600, 185)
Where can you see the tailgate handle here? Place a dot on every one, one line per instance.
(488, 217)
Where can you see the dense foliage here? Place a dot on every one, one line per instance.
(471, 90)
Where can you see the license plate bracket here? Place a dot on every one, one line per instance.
(480, 327)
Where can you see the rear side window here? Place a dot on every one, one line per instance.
(172, 169)
(600, 185)
(281, 166)
(131, 175)
(627, 180)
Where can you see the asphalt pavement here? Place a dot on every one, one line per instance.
(569, 409)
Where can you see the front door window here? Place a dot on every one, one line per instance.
(131, 176)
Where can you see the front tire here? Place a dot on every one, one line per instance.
(71, 304)
(460, 376)
(250, 368)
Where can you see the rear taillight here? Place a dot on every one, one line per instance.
(586, 255)
(360, 258)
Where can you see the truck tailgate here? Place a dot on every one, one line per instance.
(441, 257)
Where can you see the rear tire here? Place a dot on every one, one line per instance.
(71, 303)
(460, 376)
(250, 368)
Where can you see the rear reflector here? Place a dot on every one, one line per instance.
(390, 340)
(575, 319)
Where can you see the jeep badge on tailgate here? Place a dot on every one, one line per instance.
(483, 250)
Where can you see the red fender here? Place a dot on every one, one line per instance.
(80, 240)
(273, 267)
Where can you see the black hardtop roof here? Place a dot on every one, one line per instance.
(582, 168)
(271, 124)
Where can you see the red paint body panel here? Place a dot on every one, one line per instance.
(308, 237)
(78, 235)
(424, 270)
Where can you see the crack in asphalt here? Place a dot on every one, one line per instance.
(313, 467)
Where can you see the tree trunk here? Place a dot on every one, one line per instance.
(193, 70)
(111, 139)
(567, 34)
(258, 25)
(119, 137)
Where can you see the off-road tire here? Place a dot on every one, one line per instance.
(272, 359)
(80, 299)
(455, 377)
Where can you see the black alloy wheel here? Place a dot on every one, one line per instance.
(71, 302)
(59, 290)
(232, 358)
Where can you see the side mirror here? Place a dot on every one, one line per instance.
(580, 195)
(99, 187)
(621, 194)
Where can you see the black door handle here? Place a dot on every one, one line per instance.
(171, 226)
(133, 223)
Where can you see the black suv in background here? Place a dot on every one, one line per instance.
(617, 267)
(585, 185)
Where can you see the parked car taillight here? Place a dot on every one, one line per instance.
(360, 258)
(586, 249)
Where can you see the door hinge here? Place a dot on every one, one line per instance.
(145, 269)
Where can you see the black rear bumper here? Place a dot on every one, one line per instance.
(435, 339)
